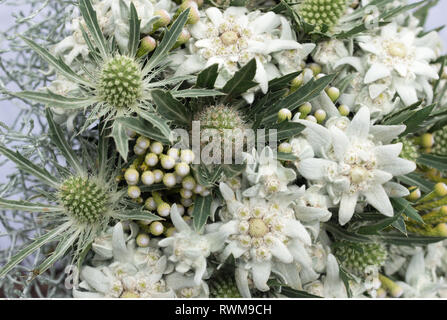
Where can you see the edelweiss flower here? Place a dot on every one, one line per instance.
(354, 163)
(134, 272)
(398, 54)
(188, 249)
(233, 37)
(262, 234)
(186, 287)
(113, 19)
(266, 174)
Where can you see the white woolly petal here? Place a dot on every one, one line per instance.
(381, 177)
(333, 285)
(406, 91)
(233, 248)
(241, 277)
(215, 16)
(387, 153)
(314, 169)
(229, 228)
(120, 251)
(200, 270)
(347, 207)
(359, 126)
(318, 136)
(369, 47)
(227, 192)
(377, 197)
(376, 72)
(199, 30)
(294, 229)
(261, 273)
(395, 190)
(192, 64)
(399, 167)
(376, 89)
(280, 251)
(300, 254)
(261, 76)
(310, 214)
(355, 62)
(265, 23)
(386, 134)
(177, 220)
(96, 279)
(424, 69)
(340, 142)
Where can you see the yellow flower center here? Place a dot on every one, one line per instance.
(397, 49)
(359, 174)
(257, 228)
(229, 37)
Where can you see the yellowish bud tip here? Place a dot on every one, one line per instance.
(441, 230)
(344, 110)
(414, 195)
(333, 93)
(427, 140)
(284, 114)
(305, 109)
(156, 228)
(320, 115)
(147, 45)
(285, 147)
(441, 189)
(316, 68)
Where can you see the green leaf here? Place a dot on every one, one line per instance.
(207, 77)
(433, 161)
(196, 93)
(374, 229)
(417, 180)
(57, 63)
(103, 148)
(401, 116)
(304, 94)
(285, 130)
(121, 139)
(169, 39)
(403, 206)
(27, 206)
(341, 233)
(61, 249)
(282, 82)
(171, 108)
(91, 20)
(346, 277)
(232, 170)
(57, 137)
(134, 34)
(138, 215)
(144, 128)
(201, 211)
(410, 240)
(242, 80)
(400, 225)
(416, 120)
(282, 156)
(35, 245)
(157, 122)
(292, 293)
(55, 100)
(29, 167)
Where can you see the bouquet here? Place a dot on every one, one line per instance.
(224, 149)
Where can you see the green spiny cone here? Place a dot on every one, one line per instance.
(355, 257)
(83, 200)
(221, 287)
(410, 150)
(120, 83)
(321, 12)
(220, 117)
(440, 145)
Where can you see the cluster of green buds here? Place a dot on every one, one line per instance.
(440, 142)
(307, 110)
(388, 288)
(426, 142)
(434, 204)
(223, 287)
(410, 150)
(160, 177)
(193, 18)
(356, 257)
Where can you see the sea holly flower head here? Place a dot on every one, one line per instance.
(356, 164)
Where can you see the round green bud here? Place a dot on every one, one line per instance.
(169, 180)
(120, 82)
(156, 147)
(194, 14)
(284, 114)
(143, 142)
(148, 178)
(150, 204)
(182, 169)
(164, 209)
(344, 110)
(142, 240)
(147, 45)
(320, 13)
(441, 189)
(333, 93)
(297, 82)
(427, 140)
(151, 159)
(305, 108)
(183, 37)
(83, 199)
(440, 142)
(156, 228)
(415, 194)
(316, 68)
(173, 153)
(188, 183)
(167, 162)
(198, 189)
(169, 232)
(180, 209)
(158, 175)
(185, 193)
(132, 177)
(441, 230)
(285, 147)
(134, 192)
(164, 19)
(320, 115)
(138, 151)
(187, 156)
(186, 202)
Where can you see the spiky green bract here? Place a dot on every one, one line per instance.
(121, 82)
(220, 117)
(84, 200)
(357, 256)
(223, 287)
(321, 12)
(410, 149)
(440, 145)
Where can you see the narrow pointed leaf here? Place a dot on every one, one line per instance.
(56, 63)
(29, 167)
(35, 245)
(121, 139)
(207, 78)
(134, 34)
(158, 122)
(91, 20)
(57, 137)
(201, 212)
(144, 128)
(138, 214)
(242, 80)
(55, 100)
(27, 206)
(196, 93)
